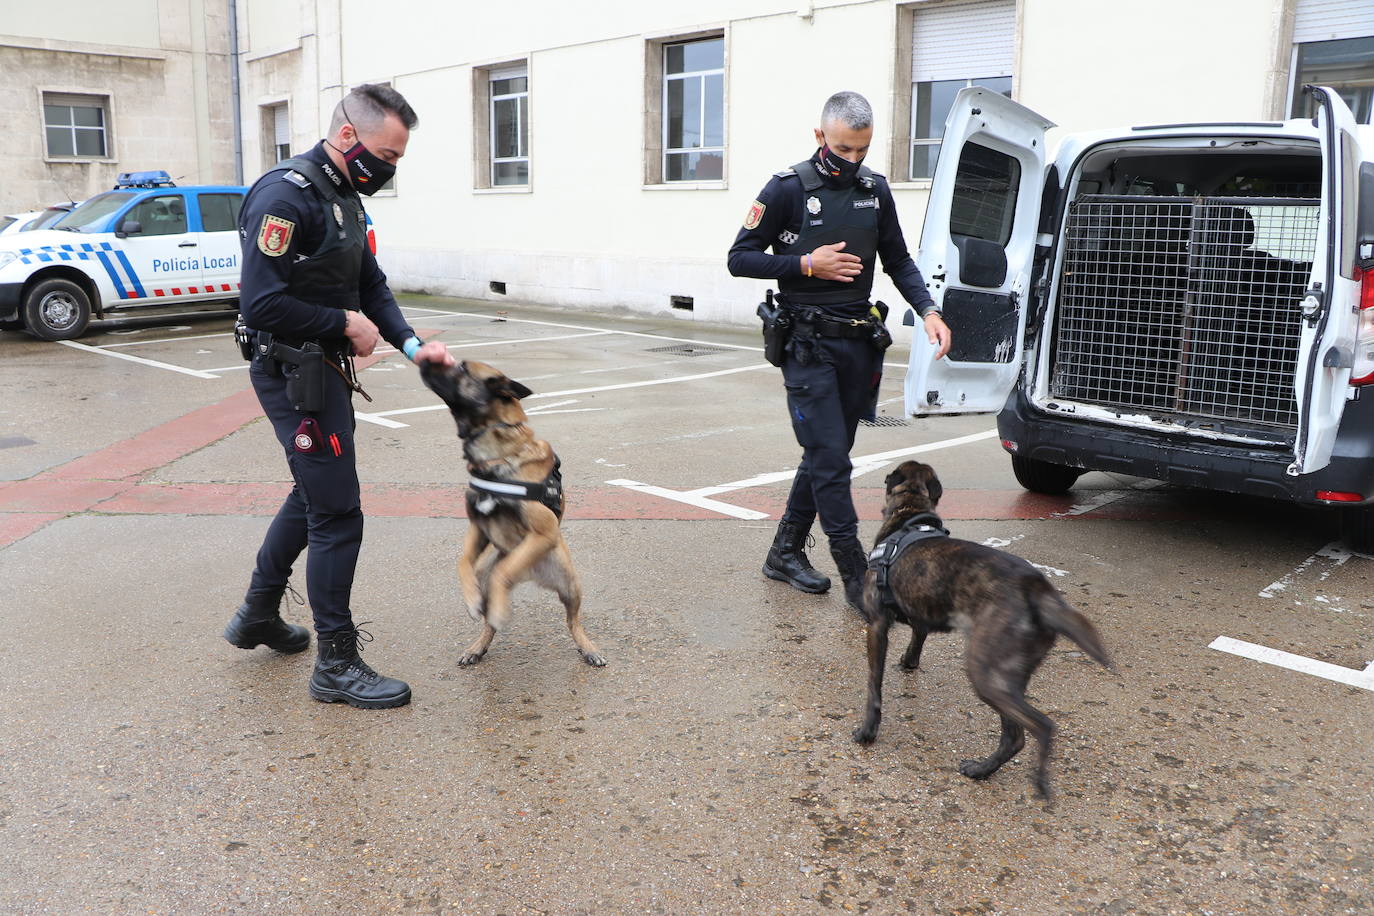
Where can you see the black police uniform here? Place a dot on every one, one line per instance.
(306, 260)
(832, 368)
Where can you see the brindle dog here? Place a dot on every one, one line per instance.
(1008, 611)
(523, 535)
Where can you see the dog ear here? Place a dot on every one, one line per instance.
(934, 489)
(503, 387)
(892, 480)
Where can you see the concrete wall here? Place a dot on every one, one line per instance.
(164, 64)
(588, 231)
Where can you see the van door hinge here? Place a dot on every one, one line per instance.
(1313, 302)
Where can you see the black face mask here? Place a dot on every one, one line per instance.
(841, 171)
(367, 173)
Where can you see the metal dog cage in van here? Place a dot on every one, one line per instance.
(1181, 308)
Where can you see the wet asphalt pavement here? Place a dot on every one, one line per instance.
(146, 766)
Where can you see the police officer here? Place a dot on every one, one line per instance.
(826, 219)
(312, 297)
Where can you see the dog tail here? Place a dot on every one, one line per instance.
(1060, 616)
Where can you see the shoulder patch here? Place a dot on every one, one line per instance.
(297, 179)
(275, 235)
(786, 173)
(755, 214)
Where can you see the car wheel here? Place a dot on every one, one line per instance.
(1357, 528)
(1043, 477)
(57, 310)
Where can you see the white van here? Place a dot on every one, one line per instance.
(1191, 303)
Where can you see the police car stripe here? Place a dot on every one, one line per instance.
(133, 275)
(114, 277)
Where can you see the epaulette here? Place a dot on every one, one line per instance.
(296, 178)
(786, 173)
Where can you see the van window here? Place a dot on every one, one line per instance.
(220, 212)
(985, 188)
(163, 215)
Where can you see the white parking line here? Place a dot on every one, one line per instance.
(137, 359)
(144, 343)
(1301, 663)
(623, 385)
(862, 465)
(1333, 551)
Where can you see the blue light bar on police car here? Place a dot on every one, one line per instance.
(157, 179)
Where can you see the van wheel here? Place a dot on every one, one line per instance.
(57, 310)
(1043, 477)
(1357, 528)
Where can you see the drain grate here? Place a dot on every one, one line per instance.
(689, 349)
(887, 421)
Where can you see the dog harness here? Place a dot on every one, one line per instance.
(493, 491)
(920, 527)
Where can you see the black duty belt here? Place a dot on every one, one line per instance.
(820, 325)
(495, 491)
(920, 527)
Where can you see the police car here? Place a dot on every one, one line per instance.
(146, 242)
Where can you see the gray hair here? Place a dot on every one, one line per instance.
(367, 106)
(848, 108)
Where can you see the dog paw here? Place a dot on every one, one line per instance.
(976, 769)
(469, 659)
(865, 735)
(595, 659)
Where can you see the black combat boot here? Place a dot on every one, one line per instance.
(258, 623)
(852, 560)
(787, 560)
(342, 676)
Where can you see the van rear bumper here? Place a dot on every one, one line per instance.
(1192, 462)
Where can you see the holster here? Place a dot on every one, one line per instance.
(304, 372)
(777, 329)
(243, 338)
(877, 316)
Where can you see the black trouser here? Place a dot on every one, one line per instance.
(826, 400)
(323, 511)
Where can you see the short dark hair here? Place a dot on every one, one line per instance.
(369, 104)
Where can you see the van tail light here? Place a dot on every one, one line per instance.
(1363, 371)
(1337, 496)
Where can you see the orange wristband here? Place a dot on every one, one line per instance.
(808, 264)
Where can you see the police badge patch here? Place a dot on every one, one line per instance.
(751, 219)
(275, 235)
(813, 205)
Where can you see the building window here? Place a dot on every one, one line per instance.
(1346, 65)
(510, 126)
(953, 45)
(76, 126)
(930, 104)
(694, 110)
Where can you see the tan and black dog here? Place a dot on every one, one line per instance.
(1009, 613)
(514, 504)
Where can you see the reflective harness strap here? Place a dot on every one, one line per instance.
(549, 491)
(921, 527)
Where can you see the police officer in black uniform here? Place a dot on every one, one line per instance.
(313, 297)
(826, 220)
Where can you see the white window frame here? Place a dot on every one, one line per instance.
(521, 123)
(701, 126)
(937, 141)
(70, 100)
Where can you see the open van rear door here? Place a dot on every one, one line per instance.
(1327, 345)
(977, 248)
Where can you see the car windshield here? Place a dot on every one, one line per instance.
(91, 216)
(50, 216)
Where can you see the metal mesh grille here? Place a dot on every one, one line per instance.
(689, 349)
(1184, 306)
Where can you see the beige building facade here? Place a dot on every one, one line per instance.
(603, 154)
(93, 89)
